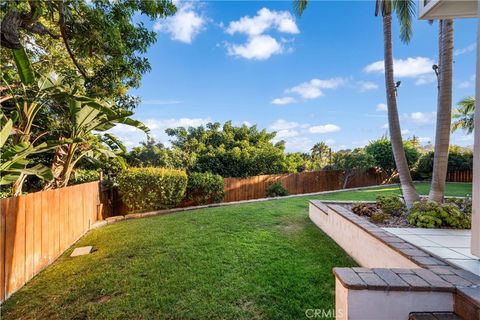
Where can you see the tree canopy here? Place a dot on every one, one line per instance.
(382, 153)
(231, 151)
(102, 41)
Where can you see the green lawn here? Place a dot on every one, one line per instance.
(452, 189)
(257, 260)
(261, 260)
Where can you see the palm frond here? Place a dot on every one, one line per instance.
(299, 6)
(464, 115)
(405, 11)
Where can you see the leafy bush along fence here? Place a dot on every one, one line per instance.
(149, 189)
(38, 227)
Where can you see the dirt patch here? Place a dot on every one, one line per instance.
(290, 228)
(391, 222)
(103, 299)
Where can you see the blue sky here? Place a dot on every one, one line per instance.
(314, 78)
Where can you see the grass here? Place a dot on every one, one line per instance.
(252, 261)
(452, 189)
(256, 260)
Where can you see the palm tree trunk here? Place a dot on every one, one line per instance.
(444, 112)
(409, 193)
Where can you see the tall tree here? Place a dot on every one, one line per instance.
(96, 39)
(404, 10)
(444, 111)
(464, 115)
(321, 153)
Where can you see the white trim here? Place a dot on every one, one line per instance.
(475, 244)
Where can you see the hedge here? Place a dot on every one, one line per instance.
(84, 176)
(204, 188)
(149, 189)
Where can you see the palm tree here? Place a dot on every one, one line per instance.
(404, 9)
(321, 153)
(464, 115)
(444, 111)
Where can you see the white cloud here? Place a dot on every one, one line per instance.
(259, 47)
(382, 107)
(301, 144)
(468, 83)
(184, 26)
(283, 100)
(425, 79)
(405, 132)
(424, 139)
(466, 138)
(132, 136)
(421, 118)
(265, 19)
(281, 124)
(466, 49)
(313, 88)
(404, 68)
(330, 142)
(366, 86)
(385, 126)
(286, 133)
(173, 123)
(327, 128)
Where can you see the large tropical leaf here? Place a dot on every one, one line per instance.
(52, 80)
(5, 133)
(135, 123)
(24, 67)
(116, 141)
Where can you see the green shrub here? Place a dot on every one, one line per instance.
(391, 205)
(379, 216)
(464, 204)
(428, 214)
(276, 190)
(147, 189)
(459, 159)
(83, 176)
(204, 188)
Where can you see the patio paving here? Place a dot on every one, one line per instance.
(448, 244)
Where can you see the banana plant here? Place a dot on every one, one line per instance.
(14, 162)
(87, 117)
(22, 104)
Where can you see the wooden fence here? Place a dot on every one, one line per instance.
(38, 227)
(237, 189)
(460, 176)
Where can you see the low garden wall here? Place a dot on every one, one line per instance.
(400, 276)
(351, 233)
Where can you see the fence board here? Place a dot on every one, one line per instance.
(3, 208)
(460, 176)
(29, 236)
(237, 189)
(37, 232)
(37, 228)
